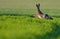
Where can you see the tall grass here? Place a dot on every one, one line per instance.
(26, 27)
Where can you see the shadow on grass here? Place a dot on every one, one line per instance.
(53, 35)
(56, 16)
(29, 15)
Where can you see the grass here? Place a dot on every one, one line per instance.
(25, 27)
(16, 21)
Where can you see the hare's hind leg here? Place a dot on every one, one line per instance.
(48, 17)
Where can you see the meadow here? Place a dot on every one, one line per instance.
(16, 21)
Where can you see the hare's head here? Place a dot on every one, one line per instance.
(38, 5)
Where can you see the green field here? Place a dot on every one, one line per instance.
(16, 21)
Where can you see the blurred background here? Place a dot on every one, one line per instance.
(28, 6)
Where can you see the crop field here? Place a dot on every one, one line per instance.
(16, 21)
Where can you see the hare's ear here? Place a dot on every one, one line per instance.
(38, 4)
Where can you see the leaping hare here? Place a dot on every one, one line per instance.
(39, 14)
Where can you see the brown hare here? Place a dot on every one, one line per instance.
(39, 14)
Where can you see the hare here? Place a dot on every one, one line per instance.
(39, 14)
